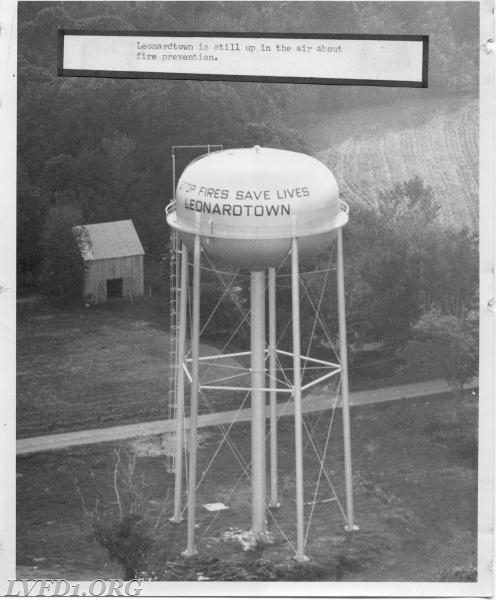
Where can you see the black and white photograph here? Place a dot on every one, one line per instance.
(252, 309)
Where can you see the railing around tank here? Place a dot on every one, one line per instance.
(344, 207)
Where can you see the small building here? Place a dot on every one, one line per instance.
(114, 261)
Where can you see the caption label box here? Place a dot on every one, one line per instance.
(334, 59)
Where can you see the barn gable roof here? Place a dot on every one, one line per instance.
(110, 240)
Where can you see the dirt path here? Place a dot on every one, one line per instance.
(312, 403)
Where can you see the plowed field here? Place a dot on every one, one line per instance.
(370, 150)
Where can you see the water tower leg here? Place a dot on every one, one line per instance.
(350, 526)
(195, 385)
(274, 501)
(295, 288)
(258, 476)
(183, 308)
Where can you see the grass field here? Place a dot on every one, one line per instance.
(94, 367)
(415, 481)
(108, 365)
(89, 367)
(369, 150)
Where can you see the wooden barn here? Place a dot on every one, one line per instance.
(114, 261)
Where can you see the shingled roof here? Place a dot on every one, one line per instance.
(111, 240)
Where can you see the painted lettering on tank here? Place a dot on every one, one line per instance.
(216, 193)
(297, 192)
(237, 210)
(253, 195)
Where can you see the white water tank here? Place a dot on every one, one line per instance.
(247, 203)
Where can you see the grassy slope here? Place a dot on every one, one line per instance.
(369, 150)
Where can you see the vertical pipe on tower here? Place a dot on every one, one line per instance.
(295, 289)
(195, 387)
(258, 478)
(274, 501)
(181, 344)
(343, 352)
(173, 175)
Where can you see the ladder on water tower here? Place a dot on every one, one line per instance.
(174, 277)
(175, 292)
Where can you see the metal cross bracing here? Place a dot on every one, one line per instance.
(280, 382)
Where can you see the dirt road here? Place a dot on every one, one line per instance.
(312, 403)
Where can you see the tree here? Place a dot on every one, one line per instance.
(401, 263)
(63, 267)
(386, 251)
(444, 346)
(451, 271)
(410, 199)
(31, 210)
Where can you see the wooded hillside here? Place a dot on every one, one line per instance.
(104, 145)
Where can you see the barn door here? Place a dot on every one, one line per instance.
(114, 288)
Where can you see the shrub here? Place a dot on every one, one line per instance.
(444, 346)
(137, 536)
(130, 543)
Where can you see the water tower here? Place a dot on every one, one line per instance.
(250, 208)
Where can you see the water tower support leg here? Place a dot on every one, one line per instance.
(183, 308)
(274, 501)
(350, 526)
(300, 516)
(258, 475)
(195, 384)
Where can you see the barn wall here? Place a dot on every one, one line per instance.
(129, 268)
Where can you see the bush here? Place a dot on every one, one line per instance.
(130, 543)
(137, 536)
(444, 346)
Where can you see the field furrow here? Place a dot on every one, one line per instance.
(443, 152)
